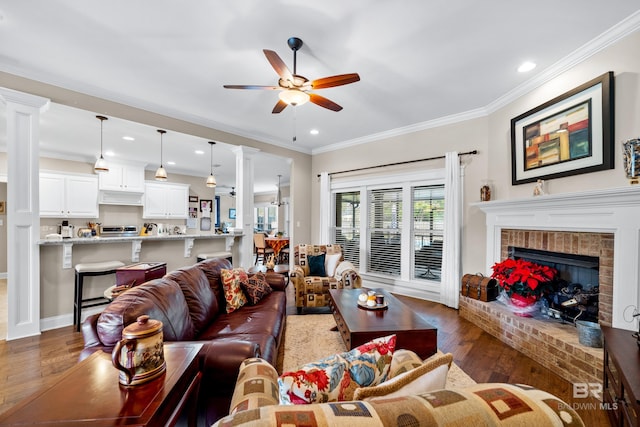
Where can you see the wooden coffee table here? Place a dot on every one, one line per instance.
(89, 394)
(360, 325)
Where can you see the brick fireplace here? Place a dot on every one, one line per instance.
(601, 223)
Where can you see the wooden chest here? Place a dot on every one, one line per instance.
(137, 274)
(478, 287)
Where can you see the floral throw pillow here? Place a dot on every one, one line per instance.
(256, 288)
(335, 378)
(231, 284)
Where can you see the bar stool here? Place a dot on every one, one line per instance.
(226, 255)
(90, 269)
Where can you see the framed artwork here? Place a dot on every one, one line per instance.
(205, 205)
(232, 213)
(193, 199)
(2, 207)
(193, 212)
(568, 135)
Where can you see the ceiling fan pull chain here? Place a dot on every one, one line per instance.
(294, 123)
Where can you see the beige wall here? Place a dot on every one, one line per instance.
(3, 230)
(491, 136)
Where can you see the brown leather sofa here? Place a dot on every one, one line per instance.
(190, 304)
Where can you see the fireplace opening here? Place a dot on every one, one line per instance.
(576, 293)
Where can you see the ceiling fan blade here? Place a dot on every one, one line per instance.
(252, 87)
(281, 105)
(278, 64)
(324, 102)
(339, 80)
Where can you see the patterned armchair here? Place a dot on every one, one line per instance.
(317, 269)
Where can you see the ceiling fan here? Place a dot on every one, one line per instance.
(296, 89)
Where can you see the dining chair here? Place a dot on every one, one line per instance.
(261, 247)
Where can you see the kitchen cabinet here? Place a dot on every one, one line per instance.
(122, 177)
(68, 196)
(165, 201)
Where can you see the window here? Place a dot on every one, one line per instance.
(384, 231)
(265, 218)
(347, 225)
(427, 231)
(392, 228)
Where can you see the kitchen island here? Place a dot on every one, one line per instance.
(136, 243)
(58, 258)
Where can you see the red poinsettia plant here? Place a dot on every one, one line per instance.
(524, 278)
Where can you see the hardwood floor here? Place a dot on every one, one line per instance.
(31, 363)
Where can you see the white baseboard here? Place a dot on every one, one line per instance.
(63, 320)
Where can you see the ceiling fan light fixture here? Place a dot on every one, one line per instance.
(161, 173)
(101, 164)
(294, 97)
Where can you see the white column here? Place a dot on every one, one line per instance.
(244, 202)
(23, 211)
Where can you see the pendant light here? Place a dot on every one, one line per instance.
(278, 201)
(161, 173)
(101, 163)
(211, 180)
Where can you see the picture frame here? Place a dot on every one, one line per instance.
(206, 205)
(569, 135)
(2, 207)
(193, 199)
(232, 213)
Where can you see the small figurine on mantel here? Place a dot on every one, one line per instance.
(538, 190)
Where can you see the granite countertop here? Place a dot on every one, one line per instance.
(99, 239)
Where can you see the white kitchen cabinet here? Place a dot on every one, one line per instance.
(165, 201)
(68, 196)
(122, 177)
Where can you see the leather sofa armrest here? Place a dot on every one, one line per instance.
(220, 362)
(278, 282)
(90, 331)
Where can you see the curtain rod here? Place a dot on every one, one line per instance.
(400, 163)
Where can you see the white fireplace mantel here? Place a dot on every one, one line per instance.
(615, 210)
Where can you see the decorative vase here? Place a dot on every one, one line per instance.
(522, 303)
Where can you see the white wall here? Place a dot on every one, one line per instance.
(491, 136)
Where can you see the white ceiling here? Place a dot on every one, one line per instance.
(419, 62)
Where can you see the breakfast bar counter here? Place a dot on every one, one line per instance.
(136, 243)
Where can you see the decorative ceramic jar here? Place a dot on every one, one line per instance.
(631, 158)
(140, 354)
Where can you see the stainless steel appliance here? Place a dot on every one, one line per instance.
(118, 230)
(65, 230)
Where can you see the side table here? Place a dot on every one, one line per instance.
(89, 394)
(621, 376)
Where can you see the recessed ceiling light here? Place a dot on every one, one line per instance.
(171, 163)
(199, 152)
(314, 131)
(526, 66)
(128, 138)
(109, 153)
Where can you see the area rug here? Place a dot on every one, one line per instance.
(310, 337)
